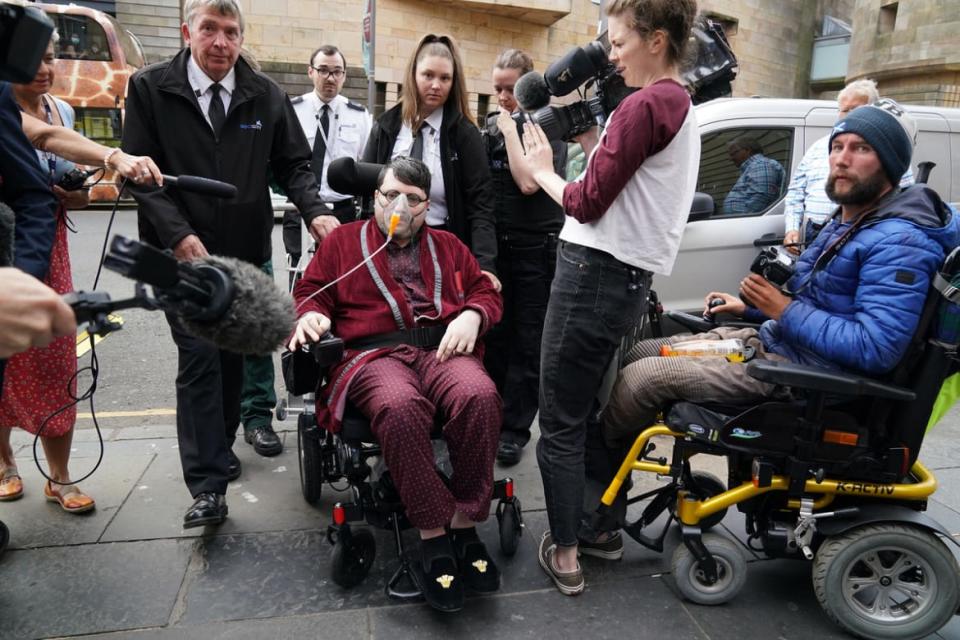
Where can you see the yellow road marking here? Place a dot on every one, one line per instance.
(130, 414)
(83, 338)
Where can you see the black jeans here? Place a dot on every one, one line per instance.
(525, 266)
(208, 409)
(595, 299)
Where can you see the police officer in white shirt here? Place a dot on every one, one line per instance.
(335, 128)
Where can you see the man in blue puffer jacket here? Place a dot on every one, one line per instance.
(853, 303)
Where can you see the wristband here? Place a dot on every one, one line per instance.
(106, 158)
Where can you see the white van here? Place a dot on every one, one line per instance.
(717, 247)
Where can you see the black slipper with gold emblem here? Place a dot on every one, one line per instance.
(437, 576)
(480, 573)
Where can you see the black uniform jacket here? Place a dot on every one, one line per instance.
(261, 133)
(466, 177)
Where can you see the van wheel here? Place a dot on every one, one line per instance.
(887, 581)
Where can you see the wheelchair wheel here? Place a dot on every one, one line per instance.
(705, 485)
(511, 528)
(4, 537)
(311, 472)
(731, 571)
(352, 557)
(887, 581)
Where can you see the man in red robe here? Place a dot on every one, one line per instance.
(411, 318)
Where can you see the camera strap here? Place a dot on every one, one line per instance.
(831, 252)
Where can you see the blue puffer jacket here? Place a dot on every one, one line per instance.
(859, 312)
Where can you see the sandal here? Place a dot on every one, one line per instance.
(70, 497)
(11, 486)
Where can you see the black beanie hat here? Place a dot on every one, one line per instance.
(886, 127)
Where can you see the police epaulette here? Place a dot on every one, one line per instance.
(355, 106)
(296, 100)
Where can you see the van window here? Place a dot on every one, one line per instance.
(132, 50)
(81, 38)
(745, 170)
(99, 125)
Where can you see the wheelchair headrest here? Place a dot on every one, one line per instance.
(345, 175)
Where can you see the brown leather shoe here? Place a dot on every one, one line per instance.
(11, 486)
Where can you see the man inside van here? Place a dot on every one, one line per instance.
(807, 206)
(760, 181)
(853, 303)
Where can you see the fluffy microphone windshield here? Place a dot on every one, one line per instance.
(531, 91)
(259, 317)
(7, 226)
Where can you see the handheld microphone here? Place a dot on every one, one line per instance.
(203, 186)
(345, 175)
(7, 226)
(224, 300)
(531, 91)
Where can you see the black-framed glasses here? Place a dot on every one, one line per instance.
(412, 199)
(326, 72)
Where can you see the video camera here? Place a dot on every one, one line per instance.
(24, 35)
(707, 75)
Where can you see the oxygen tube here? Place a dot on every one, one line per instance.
(399, 211)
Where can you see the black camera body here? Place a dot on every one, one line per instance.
(707, 75)
(775, 265)
(24, 34)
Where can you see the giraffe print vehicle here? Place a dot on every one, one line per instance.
(95, 58)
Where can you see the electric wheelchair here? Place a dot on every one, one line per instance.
(352, 455)
(832, 476)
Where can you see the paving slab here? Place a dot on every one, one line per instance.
(35, 522)
(61, 591)
(346, 625)
(639, 608)
(266, 497)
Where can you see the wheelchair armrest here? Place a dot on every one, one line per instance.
(800, 376)
(697, 324)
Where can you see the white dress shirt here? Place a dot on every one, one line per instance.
(201, 83)
(437, 213)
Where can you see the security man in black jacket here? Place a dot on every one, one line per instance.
(207, 113)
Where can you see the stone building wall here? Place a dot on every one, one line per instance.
(156, 23)
(910, 48)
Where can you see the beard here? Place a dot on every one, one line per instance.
(860, 192)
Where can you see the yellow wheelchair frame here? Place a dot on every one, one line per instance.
(710, 569)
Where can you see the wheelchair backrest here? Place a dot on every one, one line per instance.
(930, 358)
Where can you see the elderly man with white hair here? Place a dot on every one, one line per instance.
(206, 112)
(807, 204)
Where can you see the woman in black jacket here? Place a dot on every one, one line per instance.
(432, 122)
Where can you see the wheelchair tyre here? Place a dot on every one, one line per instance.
(887, 580)
(4, 537)
(311, 467)
(706, 485)
(508, 520)
(351, 559)
(731, 571)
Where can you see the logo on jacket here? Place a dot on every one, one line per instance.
(256, 125)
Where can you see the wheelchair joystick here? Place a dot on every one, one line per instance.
(715, 302)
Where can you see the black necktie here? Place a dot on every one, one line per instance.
(215, 111)
(416, 151)
(320, 143)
